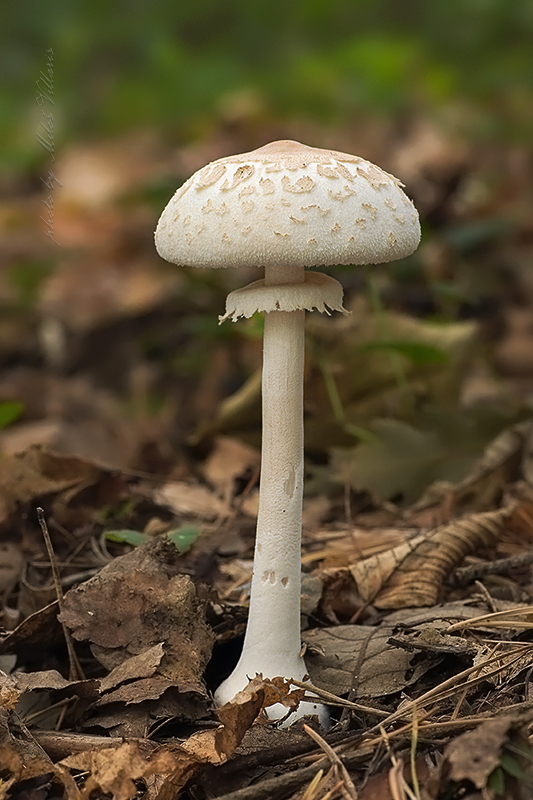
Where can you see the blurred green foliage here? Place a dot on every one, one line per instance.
(182, 65)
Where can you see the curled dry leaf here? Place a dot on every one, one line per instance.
(238, 715)
(413, 573)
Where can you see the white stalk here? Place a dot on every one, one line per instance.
(272, 641)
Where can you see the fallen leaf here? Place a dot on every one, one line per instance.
(22, 759)
(113, 770)
(141, 666)
(359, 658)
(164, 768)
(230, 459)
(413, 573)
(9, 692)
(37, 472)
(400, 460)
(475, 754)
(138, 691)
(51, 680)
(133, 607)
(238, 715)
(193, 499)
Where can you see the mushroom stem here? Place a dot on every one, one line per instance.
(275, 595)
(272, 641)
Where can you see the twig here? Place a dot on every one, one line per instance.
(446, 689)
(42, 712)
(274, 787)
(488, 618)
(332, 699)
(414, 745)
(75, 670)
(312, 789)
(489, 599)
(335, 761)
(465, 575)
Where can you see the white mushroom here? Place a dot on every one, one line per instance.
(284, 207)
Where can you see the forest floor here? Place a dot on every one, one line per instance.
(130, 436)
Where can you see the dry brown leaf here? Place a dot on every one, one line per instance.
(37, 472)
(141, 666)
(138, 691)
(132, 606)
(203, 748)
(412, 574)
(138, 719)
(165, 769)
(368, 659)
(238, 715)
(359, 657)
(22, 759)
(9, 692)
(115, 769)
(52, 681)
(137, 601)
(230, 459)
(278, 690)
(475, 754)
(190, 498)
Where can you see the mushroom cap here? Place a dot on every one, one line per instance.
(288, 204)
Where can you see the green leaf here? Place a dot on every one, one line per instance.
(135, 538)
(181, 538)
(496, 782)
(10, 412)
(398, 461)
(184, 537)
(418, 352)
(512, 767)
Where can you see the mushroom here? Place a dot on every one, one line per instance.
(284, 207)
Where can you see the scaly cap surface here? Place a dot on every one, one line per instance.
(288, 204)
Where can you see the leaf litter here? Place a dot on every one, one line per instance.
(418, 525)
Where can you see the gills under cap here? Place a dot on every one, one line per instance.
(288, 204)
